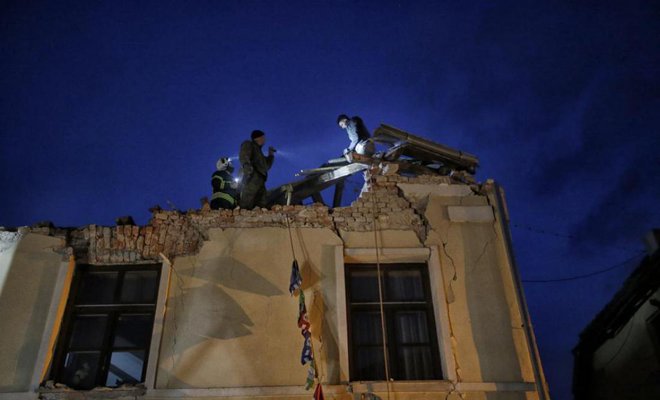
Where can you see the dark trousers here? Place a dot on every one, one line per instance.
(217, 204)
(253, 193)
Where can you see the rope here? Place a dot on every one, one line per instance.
(313, 362)
(380, 289)
(286, 216)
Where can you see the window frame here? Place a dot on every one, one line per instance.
(428, 255)
(390, 308)
(113, 312)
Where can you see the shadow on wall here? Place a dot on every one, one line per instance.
(24, 305)
(233, 274)
(208, 311)
(27, 353)
(197, 315)
(211, 313)
(328, 350)
(323, 314)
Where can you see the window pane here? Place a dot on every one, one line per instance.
(139, 287)
(88, 332)
(125, 367)
(366, 328)
(369, 364)
(80, 369)
(133, 331)
(411, 327)
(404, 285)
(97, 288)
(364, 286)
(416, 363)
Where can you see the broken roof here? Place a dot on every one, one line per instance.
(413, 155)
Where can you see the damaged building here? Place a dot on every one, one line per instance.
(411, 293)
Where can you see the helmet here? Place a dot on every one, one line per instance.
(223, 163)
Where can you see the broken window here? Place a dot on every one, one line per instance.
(409, 324)
(107, 328)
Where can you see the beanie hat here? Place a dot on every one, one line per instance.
(342, 116)
(257, 133)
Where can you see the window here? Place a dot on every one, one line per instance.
(107, 328)
(409, 323)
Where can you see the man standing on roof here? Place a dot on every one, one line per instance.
(224, 187)
(358, 134)
(255, 170)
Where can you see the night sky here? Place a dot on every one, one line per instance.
(109, 108)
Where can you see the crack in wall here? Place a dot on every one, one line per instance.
(483, 251)
(450, 298)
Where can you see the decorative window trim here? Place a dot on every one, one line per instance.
(56, 314)
(159, 324)
(429, 255)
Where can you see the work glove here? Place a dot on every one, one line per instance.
(271, 150)
(233, 185)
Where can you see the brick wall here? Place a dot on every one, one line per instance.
(175, 233)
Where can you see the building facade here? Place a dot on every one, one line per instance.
(411, 293)
(618, 355)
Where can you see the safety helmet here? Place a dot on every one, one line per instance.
(223, 163)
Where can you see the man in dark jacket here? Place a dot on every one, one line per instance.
(358, 134)
(255, 171)
(224, 187)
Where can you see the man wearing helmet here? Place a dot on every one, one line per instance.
(224, 186)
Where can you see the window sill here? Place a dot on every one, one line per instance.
(62, 392)
(441, 386)
(411, 387)
(401, 386)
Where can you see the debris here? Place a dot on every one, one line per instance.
(125, 220)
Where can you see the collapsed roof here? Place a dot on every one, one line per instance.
(413, 155)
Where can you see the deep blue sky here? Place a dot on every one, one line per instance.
(108, 108)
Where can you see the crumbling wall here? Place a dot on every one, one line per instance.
(175, 233)
(229, 319)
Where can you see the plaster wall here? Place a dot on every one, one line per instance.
(488, 338)
(30, 270)
(627, 366)
(230, 324)
(230, 321)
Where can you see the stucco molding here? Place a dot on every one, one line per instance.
(159, 323)
(355, 387)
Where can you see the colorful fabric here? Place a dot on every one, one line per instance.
(306, 355)
(311, 374)
(303, 319)
(296, 278)
(318, 393)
